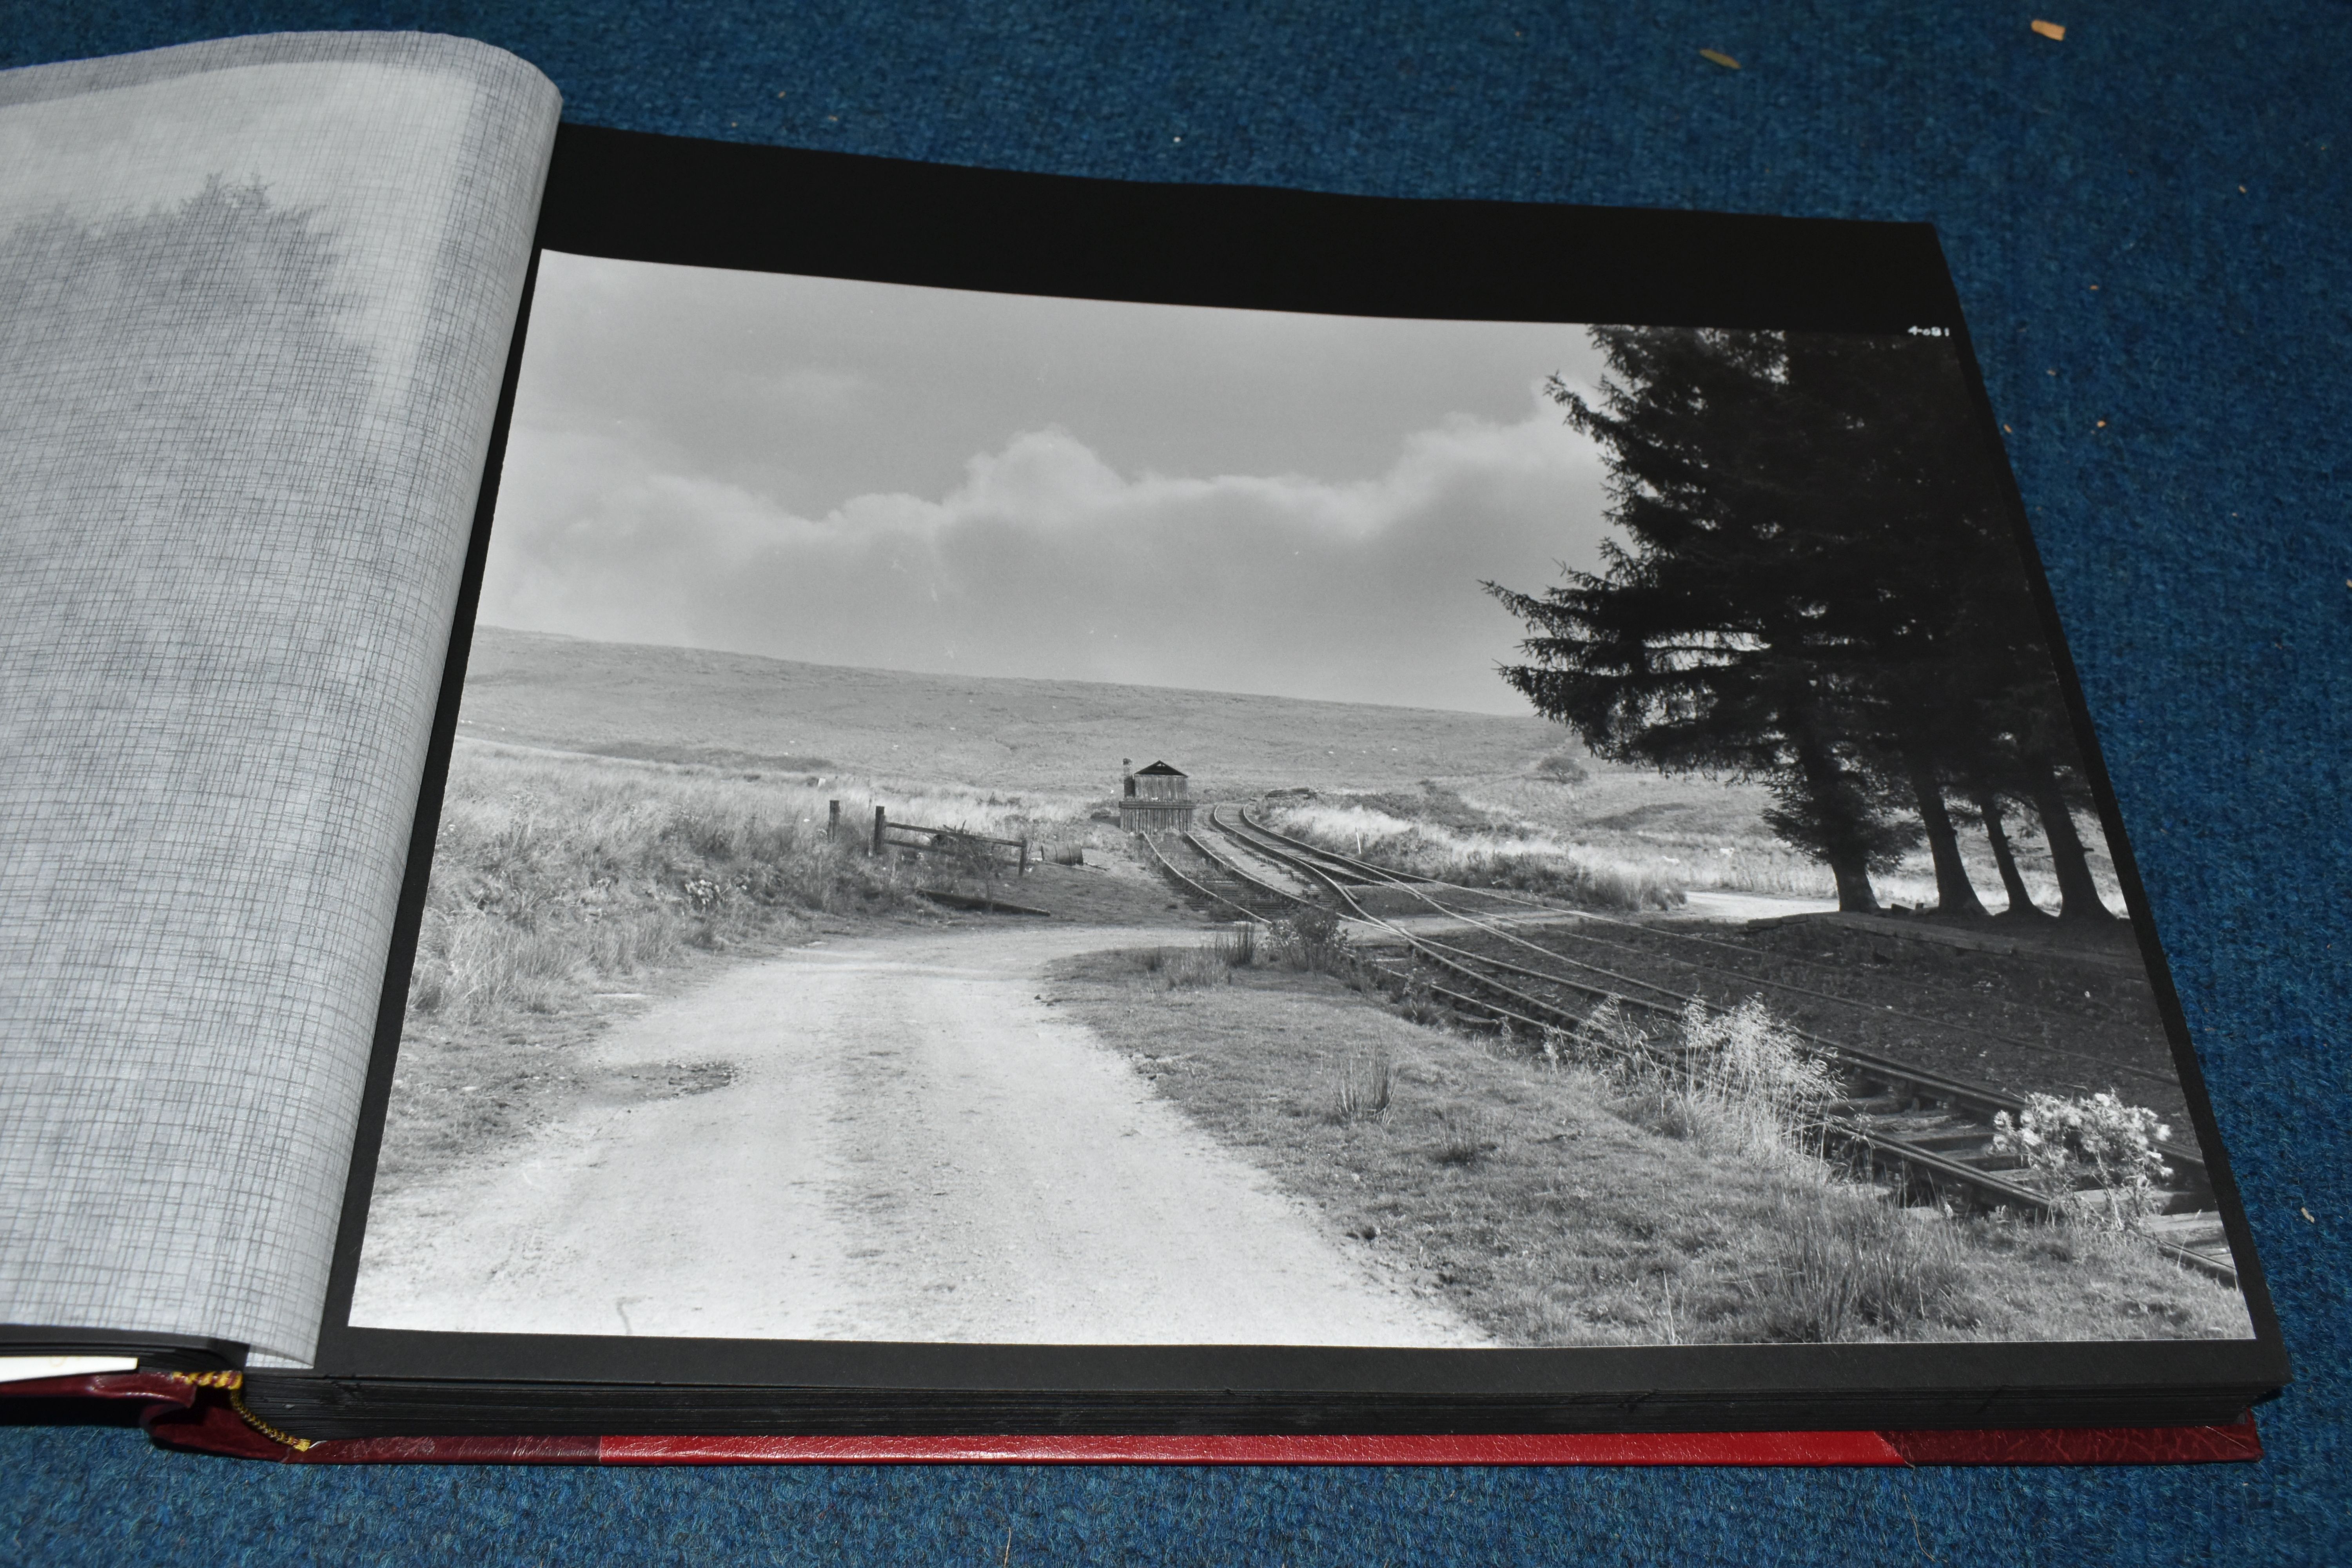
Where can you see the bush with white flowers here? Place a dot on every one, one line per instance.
(2094, 1154)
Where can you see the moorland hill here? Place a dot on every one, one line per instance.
(731, 709)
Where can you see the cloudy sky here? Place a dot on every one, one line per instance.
(984, 484)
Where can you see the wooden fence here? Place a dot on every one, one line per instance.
(952, 841)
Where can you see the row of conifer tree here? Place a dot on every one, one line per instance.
(1820, 584)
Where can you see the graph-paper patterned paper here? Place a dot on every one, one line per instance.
(255, 298)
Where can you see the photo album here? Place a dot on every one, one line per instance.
(675, 801)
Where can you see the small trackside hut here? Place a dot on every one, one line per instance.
(1153, 800)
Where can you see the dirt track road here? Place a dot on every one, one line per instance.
(914, 1147)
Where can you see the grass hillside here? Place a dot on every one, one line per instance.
(1434, 790)
(736, 710)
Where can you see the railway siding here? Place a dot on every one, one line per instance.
(1917, 1107)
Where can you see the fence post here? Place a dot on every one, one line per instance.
(831, 820)
(1024, 854)
(880, 822)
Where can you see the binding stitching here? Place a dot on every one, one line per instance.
(232, 1384)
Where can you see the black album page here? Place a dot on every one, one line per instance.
(1096, 796)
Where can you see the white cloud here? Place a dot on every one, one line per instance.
(1046, 561)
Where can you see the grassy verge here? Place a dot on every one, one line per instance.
(1694, 834)
(1436, 832)
(1995, 1006)
(1558, 1206)
(553, 876)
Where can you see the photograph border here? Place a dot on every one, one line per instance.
(636, 197)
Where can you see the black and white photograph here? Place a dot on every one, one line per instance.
(1009, 820)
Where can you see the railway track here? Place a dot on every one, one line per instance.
(1932, 1132)
(1587, 939)
(1211, 886)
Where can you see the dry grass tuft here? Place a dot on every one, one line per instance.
(1855, 1266)
(1464, 1133)
(1364, 1088)
(1184, 968)
(1237, 945)
(1737, 1080)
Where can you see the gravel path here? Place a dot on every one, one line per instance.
(913, 1147)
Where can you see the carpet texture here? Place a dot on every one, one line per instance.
(2189, 161)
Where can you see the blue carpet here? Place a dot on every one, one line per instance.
(2189, 160)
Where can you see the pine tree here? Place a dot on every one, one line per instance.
(1818, 588)
(1720, 637)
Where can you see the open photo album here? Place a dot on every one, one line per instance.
(696, 791)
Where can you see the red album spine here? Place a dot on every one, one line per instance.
(207, 1417)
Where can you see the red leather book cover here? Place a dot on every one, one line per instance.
(204, 1415)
